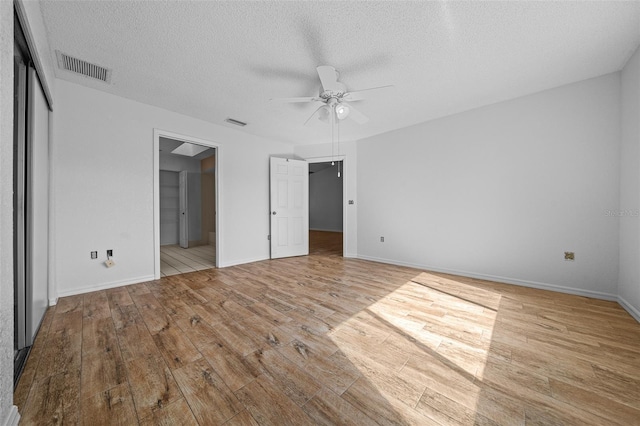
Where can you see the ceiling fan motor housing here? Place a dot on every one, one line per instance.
(335, 97)
(337, 94)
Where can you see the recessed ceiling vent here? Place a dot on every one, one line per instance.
(236, 122)
(84, 68)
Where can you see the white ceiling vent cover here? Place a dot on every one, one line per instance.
(84, 68)
(236, 122)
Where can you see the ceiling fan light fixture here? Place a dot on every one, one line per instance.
(342, 111)
(323, 114)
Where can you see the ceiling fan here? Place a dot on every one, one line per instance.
(335, 98)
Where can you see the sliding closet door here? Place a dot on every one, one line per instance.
(38, 205)
(30, 202)
(19, 199)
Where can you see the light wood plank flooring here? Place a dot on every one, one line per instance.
(327, 340)
(176, 260)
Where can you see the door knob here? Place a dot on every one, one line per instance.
(274, 213)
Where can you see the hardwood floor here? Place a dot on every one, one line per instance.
(325, 242)
(327, 340)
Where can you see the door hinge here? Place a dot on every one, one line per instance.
(269, 237)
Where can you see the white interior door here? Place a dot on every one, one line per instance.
(184, 207)
(289, 207)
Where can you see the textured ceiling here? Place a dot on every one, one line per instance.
(214, 60)
(166, 146)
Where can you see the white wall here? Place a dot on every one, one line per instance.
(350, 172)
(7, 409)
(502, 191)
(104, 187)
(629, 284)
(325, 200)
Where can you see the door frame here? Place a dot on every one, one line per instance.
(345, 200)
(157, 133)
(21, 217)
(183, 213)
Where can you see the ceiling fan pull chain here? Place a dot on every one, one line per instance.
(335, 135)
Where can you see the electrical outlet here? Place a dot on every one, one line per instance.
(350, 201)
(569, 255)
(109, 253)
(382, 239)
(94, 254)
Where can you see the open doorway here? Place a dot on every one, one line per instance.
(186, 194)
(326, 209)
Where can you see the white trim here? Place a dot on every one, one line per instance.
(496, 278)
(328, 159)
(52, 286)
(13, 417)
(633, 311)
(105, 286)
(242, 261)
(345, 196)
(157, 133)
(33, 51)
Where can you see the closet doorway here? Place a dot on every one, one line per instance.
(186, 194)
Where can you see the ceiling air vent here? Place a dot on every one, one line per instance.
(236, 122)
(84, 68)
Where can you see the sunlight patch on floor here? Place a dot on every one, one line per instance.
(446, 324)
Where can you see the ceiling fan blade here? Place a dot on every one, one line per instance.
(359, 95)
(303, 99)
(315, 113)
(357, 116)
(328, 77)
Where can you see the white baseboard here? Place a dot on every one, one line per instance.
(633, 311)
(241, 262)
(13, 417)
(496, 278)
(105, 286)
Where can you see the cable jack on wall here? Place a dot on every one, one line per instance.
(109, 263)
